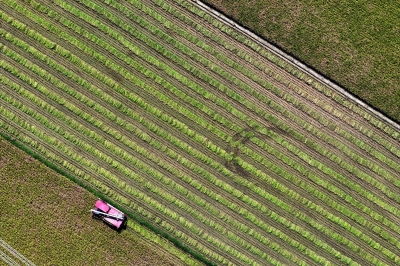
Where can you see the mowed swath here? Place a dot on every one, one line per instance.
(201, 131)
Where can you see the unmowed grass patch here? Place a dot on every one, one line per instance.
(46, 217)
(356, 44)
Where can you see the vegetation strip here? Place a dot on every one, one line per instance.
(135, 124)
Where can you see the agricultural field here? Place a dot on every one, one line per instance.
(48, 222)
(355, 43)
(239, 156)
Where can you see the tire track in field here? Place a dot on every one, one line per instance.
(322, 110)
(16, 257)
(368, 169)
(112, 185)
(104, 151)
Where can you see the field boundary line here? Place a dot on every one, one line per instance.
(293, 61)
(7, 259)
(15, 253)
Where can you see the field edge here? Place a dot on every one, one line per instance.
(136, 223)
(293, 60)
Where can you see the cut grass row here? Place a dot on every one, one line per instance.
(109, 160)
(306, 34)
(155, 45)
(370, 72)
(35, 183)
(391, 194)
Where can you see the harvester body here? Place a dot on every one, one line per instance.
(109, 214)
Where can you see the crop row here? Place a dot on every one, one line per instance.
(276, 90)
(275, 59)
(383, 188)
(143, 152)
(251, 91)
(151, 236)
(391, 194)
(68, 151)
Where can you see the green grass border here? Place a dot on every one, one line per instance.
(130, 214)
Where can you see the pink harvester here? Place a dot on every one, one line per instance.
(109, 214)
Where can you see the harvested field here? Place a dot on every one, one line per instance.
(47, 221)
(185, 121)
